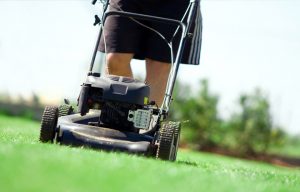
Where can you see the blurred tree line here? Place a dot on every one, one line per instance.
(30, 108)
(248, 131)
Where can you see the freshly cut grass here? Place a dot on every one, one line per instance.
(28, 165)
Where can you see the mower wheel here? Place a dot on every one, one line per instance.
(166, 142)
(64, 110)
(177, 130)
(48, 125)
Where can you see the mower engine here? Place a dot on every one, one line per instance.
(123, 101)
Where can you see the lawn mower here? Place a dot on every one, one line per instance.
(114, 112)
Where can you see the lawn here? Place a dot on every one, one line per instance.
(27, 165)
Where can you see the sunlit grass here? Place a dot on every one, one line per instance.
(27, 165)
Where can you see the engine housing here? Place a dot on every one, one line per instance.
(115, 96)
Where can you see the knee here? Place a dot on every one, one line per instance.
(158, 67)
(115, 61)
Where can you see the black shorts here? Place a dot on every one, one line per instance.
(123, 35)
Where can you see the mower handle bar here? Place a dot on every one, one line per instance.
(145, 17)
(175, 66)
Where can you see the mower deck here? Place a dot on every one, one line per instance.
(73, 130)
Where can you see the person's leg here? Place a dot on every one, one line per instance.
(121, 38)
(119, 64)
(157, 74)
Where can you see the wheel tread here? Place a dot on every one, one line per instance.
(64, 110)
(49, 120)
(165, 141)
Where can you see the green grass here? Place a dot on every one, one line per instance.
(27, 165)
(290, 148)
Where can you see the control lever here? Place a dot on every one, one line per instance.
(97, 20)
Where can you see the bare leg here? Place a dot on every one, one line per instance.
(157, 76)
(119, 64)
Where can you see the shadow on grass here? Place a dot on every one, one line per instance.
(189, 163)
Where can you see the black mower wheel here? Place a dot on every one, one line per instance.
(177, 131)
(64, 110)
(166, 142)
(48, 125)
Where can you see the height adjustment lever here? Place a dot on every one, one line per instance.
(97, 20)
